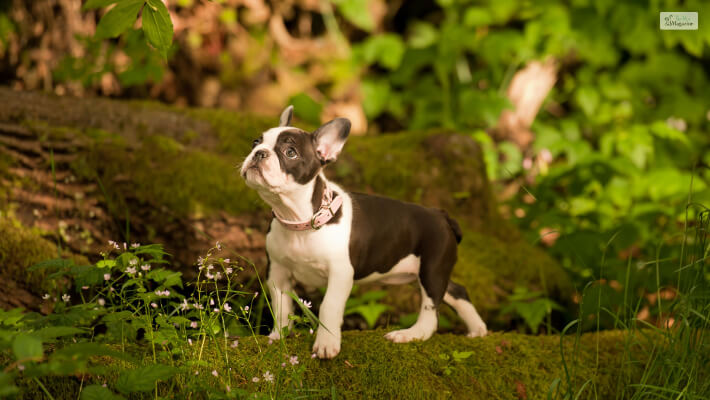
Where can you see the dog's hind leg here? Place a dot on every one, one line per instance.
(425, 326)
(457, 297)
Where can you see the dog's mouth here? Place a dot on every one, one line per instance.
(254, 167)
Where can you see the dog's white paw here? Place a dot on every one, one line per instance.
(275, 335)
(479, 330)
(406, 335)
(327, 345)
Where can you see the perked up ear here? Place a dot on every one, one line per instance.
(330, 138)
(286, 115)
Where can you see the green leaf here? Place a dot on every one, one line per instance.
(7, 385)
(118, 19)
(375, 93)
(27, 347)
(370, 312)
(423, 34)
(477, 16)
(93, 4)
(157, 26)
(357, 13)
(308, 109)
(98, 392)
(143, 379)
(54, 263)
(106, 264)
(387, 50)
(588, 99)
(52, 332)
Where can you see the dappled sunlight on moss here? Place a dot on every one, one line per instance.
(370, 367)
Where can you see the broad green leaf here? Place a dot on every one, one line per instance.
(88, 349)
(143, 379)
(477, 16)
(374, 96)
(357, 13)
(158, 26)
(588, 99)
(7, 385)
(54, 263)
(118, 19)
(93, 4)
(27, 347)
(370, 312)
(98, 392)
(423, 34)
(106, 264)
(308, 109)
(52, 332)
(387, 50)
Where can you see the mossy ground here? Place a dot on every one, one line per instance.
(370, 367)
(21, 248)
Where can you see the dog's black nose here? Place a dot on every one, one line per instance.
(260, 155)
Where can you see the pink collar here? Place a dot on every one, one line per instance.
(329, 206)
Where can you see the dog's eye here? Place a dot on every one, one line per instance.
(255, 143)
(291, 153)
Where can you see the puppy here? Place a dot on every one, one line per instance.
(322, 235)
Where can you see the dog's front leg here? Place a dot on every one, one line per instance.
(340, 282)
(279, 283)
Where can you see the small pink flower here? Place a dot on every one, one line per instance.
(193, 324)
(227, 307)
(229, 389)
(101, 302)
(211, 302)
(135, 245)
(310, 331)
(134, 261)
(271, 340)
(235, 344)
(153, 305)
(145, 267)
(46, 296)
(20, 367)
(268, 376)
(85, 287)
(313, 355)
(131, 270)
(107, 277)
(66, 298)
(228, 270)
(227, 260)
(306, 303)
(293, 360)
(214, 372)
(283, 365)
(218, 245)
(197, 372)
(255, 379)
(184, 306)
(246, 308)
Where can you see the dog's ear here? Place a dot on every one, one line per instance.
(286, 115)
(330, 139)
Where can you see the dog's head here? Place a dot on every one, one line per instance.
(285, 158)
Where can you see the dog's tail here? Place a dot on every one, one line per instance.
(455, 228)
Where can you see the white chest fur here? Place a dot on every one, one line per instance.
(310, 255)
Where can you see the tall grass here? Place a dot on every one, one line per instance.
(666, 360)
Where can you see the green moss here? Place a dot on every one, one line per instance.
(490, 267)
(370, 367)
(21, 248)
